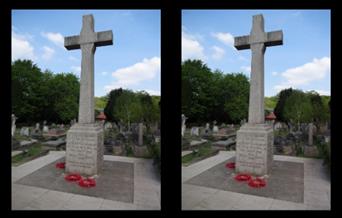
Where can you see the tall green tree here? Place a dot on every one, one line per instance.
(279, 108)
(109, 109)
(298, 108)
(208, 96)
(38, 95)
(26, 80)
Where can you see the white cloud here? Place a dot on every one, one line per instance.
(218, 52)
(303, 75)
(191, 47)
(55, 38)
(323, 92)
(76, 70)
(225, 38)
(246, 69)
(147, 69)
(274, 73)
(21, 47)
(152, 92)
(48, 53)
(104, 73)
(278, 88)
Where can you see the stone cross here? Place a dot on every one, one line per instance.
(84, 147)
(87, 41)
(257, 41)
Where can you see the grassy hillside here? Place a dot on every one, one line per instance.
(270, 102)
(100, 102)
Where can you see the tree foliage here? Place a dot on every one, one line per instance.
(126, 106)
(38, 95)
(296, 106)
(279, 108)
(208, 96)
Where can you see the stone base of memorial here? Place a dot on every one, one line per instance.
(254, 149)
(84, 149)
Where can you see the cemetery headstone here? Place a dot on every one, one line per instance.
(310, 134)
(254, 152)
(141, 135)
(45, 129)
(195, 131)
(84, 149)
(26, 131)
(13, 124)
(215, 129)
(184, 118)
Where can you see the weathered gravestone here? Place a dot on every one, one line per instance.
(13, 124)
(183, 124)
(84, 149)
(141, 135)
(25, 131)
(310, 134)
(254, 153)
(215, 129)
(194, 131)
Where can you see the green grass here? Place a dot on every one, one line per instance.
(34, 151)
(202, 152)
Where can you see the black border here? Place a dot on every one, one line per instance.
(170, 87)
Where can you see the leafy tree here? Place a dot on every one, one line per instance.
(126, 106)
(196, 76)
(298, 108)
(26, 80)
(38, 95)
(65, 96)
(208, 96)
(109, 109)
(279, 108)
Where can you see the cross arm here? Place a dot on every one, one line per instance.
(274, 38)
(241, 42)
(104, 38)
(72, 42)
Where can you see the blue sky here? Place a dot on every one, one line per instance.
(133, 61)
(302, 62)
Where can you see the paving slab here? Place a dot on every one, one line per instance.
(145, 182)
(199, 196)
(114, 183)
(286, 181)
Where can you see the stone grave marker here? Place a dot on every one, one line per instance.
(141, 134)
(13, 124)
(195, 131)
(184, 118)
(310, 134)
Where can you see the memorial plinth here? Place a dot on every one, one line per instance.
(254, 150)
(84, 149)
